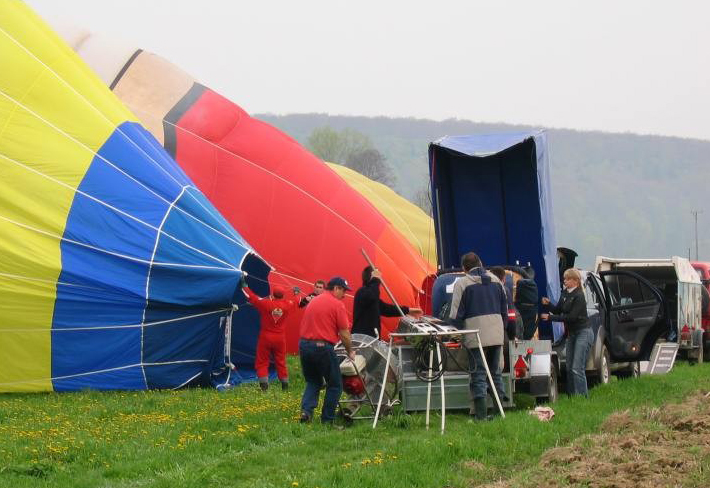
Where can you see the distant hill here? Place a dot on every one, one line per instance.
(622, 195)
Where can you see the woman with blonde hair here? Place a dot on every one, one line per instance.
(572, 311)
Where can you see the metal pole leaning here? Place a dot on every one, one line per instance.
(428, 388)
(382, 280)
(441, 386)
(384, 383)
(488, 373)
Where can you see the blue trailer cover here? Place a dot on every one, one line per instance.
(491, 195)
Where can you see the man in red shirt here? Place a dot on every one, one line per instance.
(272, 338)
(324, 323)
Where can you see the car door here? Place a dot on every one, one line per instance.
(594, 306)
(596, 316)
(633, 307)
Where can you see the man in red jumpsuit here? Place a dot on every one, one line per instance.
(272, 338)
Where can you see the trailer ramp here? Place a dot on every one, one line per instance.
(662, 358)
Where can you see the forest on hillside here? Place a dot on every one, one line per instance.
(621, 195)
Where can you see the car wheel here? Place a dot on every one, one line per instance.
(602, 376)
(633, 371)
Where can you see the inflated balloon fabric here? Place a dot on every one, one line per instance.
(115, 271)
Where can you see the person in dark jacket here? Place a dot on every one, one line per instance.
(318, 288)
(479, 302)
(514, 324)
(572, 311)
(368, 306)
(526, 300)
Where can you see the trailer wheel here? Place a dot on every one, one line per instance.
(552, 387)
(696, 356)
(701, 353)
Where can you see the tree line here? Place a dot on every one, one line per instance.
(352, 149)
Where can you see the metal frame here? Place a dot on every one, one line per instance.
(342, 353)
(361, 400)
(404, 335)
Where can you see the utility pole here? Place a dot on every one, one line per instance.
(695, 214)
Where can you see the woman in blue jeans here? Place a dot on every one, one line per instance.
(572, 311)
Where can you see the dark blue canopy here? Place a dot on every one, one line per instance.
(491, 195)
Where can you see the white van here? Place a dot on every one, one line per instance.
(634, 288)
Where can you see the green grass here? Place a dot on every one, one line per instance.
(243, 437)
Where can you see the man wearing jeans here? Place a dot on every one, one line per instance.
(479, 302)
(324, 323)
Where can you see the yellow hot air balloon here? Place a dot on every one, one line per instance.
(414, 224)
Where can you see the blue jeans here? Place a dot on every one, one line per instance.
(320, 363)
(479, 380)
(576, 351)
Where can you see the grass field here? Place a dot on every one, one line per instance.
(243, 437)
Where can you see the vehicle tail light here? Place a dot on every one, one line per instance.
(685, 333)
(353, 385)
(520, 367)
(511, 315)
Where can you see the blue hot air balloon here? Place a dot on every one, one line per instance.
(115, 271)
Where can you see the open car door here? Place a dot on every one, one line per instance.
(634, 306)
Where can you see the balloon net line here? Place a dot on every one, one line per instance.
(310, 196)
(103, 371)
(113, 253)
(129, 139)
(110, 207)
(125, 326)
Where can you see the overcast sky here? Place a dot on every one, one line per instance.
(618, 66)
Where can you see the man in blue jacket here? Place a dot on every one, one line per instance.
(479, 302)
